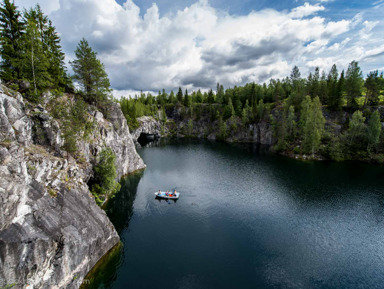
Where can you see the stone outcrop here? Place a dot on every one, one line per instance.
(203, 127)
(148, 126)
(51, 230)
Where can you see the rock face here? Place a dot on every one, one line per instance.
(113, 131)
(203, 127)
(51, 230)
(148, 126)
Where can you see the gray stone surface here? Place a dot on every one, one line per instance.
(148, 125)
(51, 230)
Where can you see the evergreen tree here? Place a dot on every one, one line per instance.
(172, 98)
(374, 130)
(335, 89)
(12, 29)
(291, 123)
(199, 97)
(372, 83)
(353, 84)
(230, 108)
(56, 56)
(245, 115)
(90, 73)
(179, 95)
(211, 98)
(314, 83)
(334, 101)
(187, 99)
(357, 131)
(313, 125)
(323, 89)
(260, 109)
(36, 62)
(220, 93)
(338, 101)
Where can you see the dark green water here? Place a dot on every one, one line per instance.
(247, 221)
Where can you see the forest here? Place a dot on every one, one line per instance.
(295, 106)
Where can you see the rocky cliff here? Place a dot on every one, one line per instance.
(147, 126)
(179, 125)
(51, 230)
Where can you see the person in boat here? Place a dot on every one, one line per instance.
(167, 193)
(159, 193)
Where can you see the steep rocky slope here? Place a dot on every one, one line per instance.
(179, 126)
(51, 230)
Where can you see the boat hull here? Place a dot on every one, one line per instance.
(162, 195)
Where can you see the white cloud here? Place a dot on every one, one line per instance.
(199, 46)
(306, 10)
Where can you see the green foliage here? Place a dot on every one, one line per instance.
(103, 183)
(190, 127)
(133, 108)
(74, 121)
(89, 72)
(353, 84)
(11, 35)
(179, 95)
(374, 130)
(30, 50)
(222, 128)
(36, 63)
(286, 129)
(313, 123)
(372, 84)
(357, 132)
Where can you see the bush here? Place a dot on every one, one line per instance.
(103, 185)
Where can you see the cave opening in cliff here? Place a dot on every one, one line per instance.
(146, 138)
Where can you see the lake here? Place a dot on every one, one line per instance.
(247, 220)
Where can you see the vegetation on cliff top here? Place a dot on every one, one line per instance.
(32, 62)
(334, 115)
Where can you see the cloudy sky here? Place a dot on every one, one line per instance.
(153, 44)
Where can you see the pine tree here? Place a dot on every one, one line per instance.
(323, 89)
(245, 114)
(313, 124)
(220, 93)
(199, 97)
(179, 95)
(374, 129)
(295, 78)
(56, 69)
(353, 84)
(12, 29)
(372, 83)
(90, 74)
(291, 123)
(357, 131)
(334, 99)
(36, 62)
(211, 98)
(187, 99)
(230, 110)
(172, 97)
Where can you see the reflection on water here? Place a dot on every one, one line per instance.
(248, 220)
(120, 208)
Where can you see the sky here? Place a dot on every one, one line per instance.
(149, 45)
